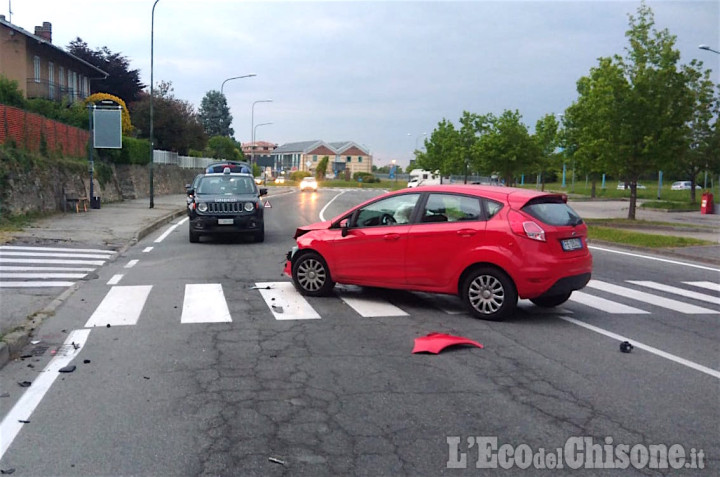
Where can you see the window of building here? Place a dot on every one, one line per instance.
(51, 80)
(314, 158)
(348, 159)
(36, 63)
(359, 158)
(61, 76)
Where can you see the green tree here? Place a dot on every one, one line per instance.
(224, 147)
(322, 168)
(441, 149)
(641, 102)
(10, 93)
(214, 114)
(506, 147)
(121, 81)
(175, 124)
(546, 138)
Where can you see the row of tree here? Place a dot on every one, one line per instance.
(176, 125)
(634, 115)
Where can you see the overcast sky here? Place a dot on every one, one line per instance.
(377, 73)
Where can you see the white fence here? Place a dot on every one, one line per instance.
(169, 157)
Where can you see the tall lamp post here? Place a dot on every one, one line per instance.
(705, 47)
(234, 78)
(152, 139)
(252, 128)
(253, 137)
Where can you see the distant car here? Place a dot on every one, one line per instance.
(226, 204)
(621, 186)
(280, 180)
(683, 185)
(259, 180)
(308, 183)
(488, 245)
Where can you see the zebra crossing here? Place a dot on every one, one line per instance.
(206, 303)
(44, 267)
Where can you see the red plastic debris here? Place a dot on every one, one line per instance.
(436, 342)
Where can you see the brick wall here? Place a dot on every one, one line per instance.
(27, 129)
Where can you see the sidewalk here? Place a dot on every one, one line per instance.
(120, 225)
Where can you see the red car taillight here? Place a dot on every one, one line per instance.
(521, 225)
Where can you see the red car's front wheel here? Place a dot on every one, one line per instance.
(311, 275)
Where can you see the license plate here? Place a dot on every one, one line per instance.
(225, 221)
(571, 244)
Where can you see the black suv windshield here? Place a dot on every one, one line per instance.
(226, 185)
(552, 211)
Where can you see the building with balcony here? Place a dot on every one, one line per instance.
(41, 69)
(304, 156)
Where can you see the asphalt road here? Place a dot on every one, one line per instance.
(167, 390)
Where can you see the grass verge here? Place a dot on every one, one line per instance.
(639, 239)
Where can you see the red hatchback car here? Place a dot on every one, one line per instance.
(488, 245)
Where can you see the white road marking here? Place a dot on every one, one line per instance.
(15, 275)
(51, 261)
(170, 229)
(322, 212)
(285, 302)
(147, 249)
(56, 249)
(35, 284)
(690, 364)
(45, 269)
(605, 305)
(53, 255)
(677, 291)
(115, 279)
(708, 285)
(121, 306)
(657, 259)
(371, 307)
(205, 303)
(131, 263)
(656, 300)
(24, 407)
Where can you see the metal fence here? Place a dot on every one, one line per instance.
(186, 162)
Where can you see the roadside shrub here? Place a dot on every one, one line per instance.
(127, 127)
(134, 151)
(10, 93)
(367, 177)
(297, 176)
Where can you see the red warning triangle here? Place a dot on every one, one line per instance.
(267, 205)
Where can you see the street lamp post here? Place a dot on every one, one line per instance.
(152, 139)
(234, 78)
(252, 128)
(705, 47)
(253, 137)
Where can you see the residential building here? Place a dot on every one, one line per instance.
(304, 156)
(41, 69)
(259, 152)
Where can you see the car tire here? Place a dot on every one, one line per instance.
(489, 293)
(193, 237)
(311, 275)
(551, 300)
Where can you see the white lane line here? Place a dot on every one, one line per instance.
(205, 303)
(45, 269)
(690, 364)
(16, 275)
(147, 249)
(371, 307)
(605, 305)
(121, 306)
(115, 279)
(35, 284)
(170, 229)
(55, 249)
(53, 255)
(708, 285)
(677, 291)
(24, 407)
(322, 212)
(656, 300)
(131, 263)
(285, 302)
(51, 261)
(657, 259)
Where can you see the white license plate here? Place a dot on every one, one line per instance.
(225, 221)
(571, 244)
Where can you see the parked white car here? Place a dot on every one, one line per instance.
(683, 185)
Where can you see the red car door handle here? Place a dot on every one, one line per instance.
(392, 237)
(466, 232)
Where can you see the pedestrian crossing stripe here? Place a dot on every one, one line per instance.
(121, 306)
(675, 305)
(205, 303)
(285, 302)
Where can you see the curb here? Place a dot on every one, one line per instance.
(13, 343)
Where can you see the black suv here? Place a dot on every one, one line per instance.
(227, 203)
